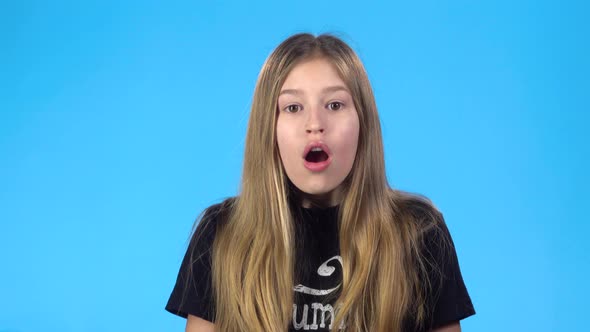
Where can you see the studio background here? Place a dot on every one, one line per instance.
(121, 121)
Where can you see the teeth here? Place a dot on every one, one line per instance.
(316, 149)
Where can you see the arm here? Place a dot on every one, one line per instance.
(453, 327)
(449, 297)
(196, 324)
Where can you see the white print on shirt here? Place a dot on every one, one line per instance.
(325, 271)
(305, 325)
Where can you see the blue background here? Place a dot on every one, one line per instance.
(121, 121)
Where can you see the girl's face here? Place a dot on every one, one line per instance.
(317, 130)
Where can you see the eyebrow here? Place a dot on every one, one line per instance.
(324, 90)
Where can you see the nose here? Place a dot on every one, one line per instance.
(315, 121)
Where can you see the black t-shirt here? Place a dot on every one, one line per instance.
(318, 274)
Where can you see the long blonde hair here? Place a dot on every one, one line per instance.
(384, 274)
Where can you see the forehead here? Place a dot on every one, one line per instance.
(313, 74)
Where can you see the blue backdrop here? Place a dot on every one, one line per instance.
(121, 121)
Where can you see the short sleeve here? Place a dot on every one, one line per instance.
(448, 300)
(192, 293)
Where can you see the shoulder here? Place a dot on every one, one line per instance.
(419, 210)
(210, 220)
(431, 235)
(217, 211)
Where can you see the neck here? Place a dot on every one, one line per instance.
(323, 200)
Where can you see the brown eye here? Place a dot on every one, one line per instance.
(335, 106)
(292, 108)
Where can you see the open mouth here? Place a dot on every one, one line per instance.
(316, 155)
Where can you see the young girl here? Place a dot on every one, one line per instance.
(317, 239)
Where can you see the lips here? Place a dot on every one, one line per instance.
(317, 156)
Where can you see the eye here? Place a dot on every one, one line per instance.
(335, 106)
(292, 108)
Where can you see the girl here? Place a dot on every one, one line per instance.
(317, 239)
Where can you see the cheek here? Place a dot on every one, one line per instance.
(284, 139)
(353, 135)
(350, 136)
